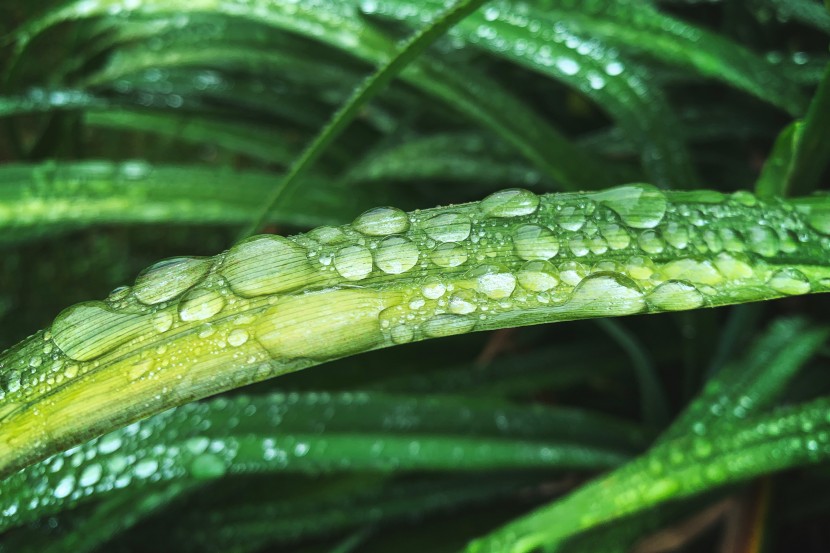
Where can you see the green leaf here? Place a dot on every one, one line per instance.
(43, 199)
(801, 151)
(311, 433)
(190, 327)
(734, 451)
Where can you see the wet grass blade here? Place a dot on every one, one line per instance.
(195, 326)
(313, 433)
(41, 199)
(679, 468)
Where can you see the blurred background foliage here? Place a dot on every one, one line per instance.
(134, 130)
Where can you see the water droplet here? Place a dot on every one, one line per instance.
(64, 487)
(533, 242)
(448, 227)
(327, 235)
(818, 217)
(353, 262)
(605, 295)
(207, 466)
(538, 276)
(402, 334)
(762, 240)
(200, 304)
(109, 443)
(162, 321)
(449, 255)
(237, 337)
(513, 202)
(650, 243)
(433, 289)
(567, 66)
(733, 267)
(448, 325)
(693, 270)
(381, 221)
(675, 295)
(616, 236)
(578, 245)
(169, 278)
(789, 281)
(494, 282)
(572, 272)
(640, 206)
(676, 235)
(266, 264)
(462, 302)
(88, 330)
(145, 468)
(396, 255)
(570, 218)
(90, 475)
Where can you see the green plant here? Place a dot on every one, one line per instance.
(141, 129)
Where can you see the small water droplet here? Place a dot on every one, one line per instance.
(238, 337)
(449, 255)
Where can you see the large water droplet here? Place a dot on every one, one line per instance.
(675, 295)
(449, 255)
(200, 304)
(381, 221)
(167, 279)
(789, 281)
(534, 242)
(640, 206)
(448, 227)
(396, 255)
(513, 202)
(538, 276)
(266, 264)
(353, 262)
(676, 235)
(88, 330)
(604, 295)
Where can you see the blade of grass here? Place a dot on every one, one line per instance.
(309, 433)
(273, 305)
(408, 51)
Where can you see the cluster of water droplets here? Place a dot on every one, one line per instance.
(394, 277)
